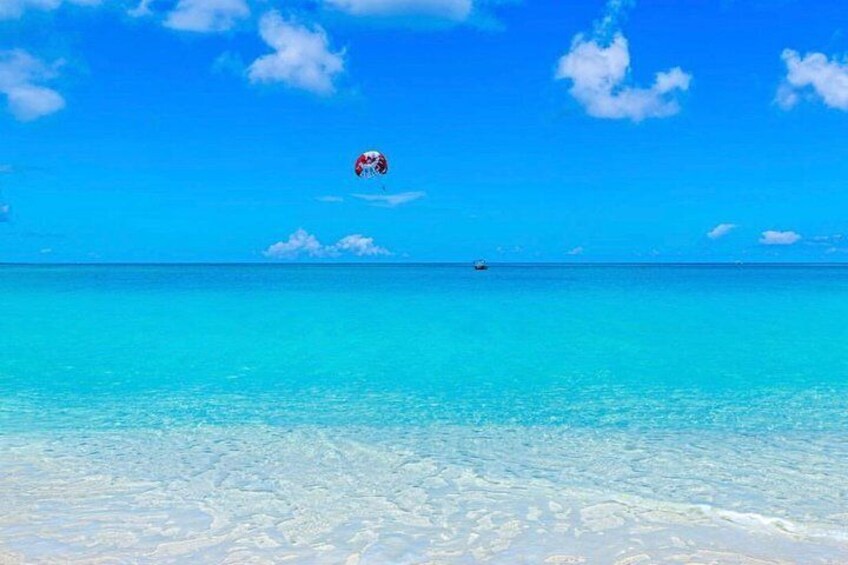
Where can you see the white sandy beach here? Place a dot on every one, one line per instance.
(438, 495)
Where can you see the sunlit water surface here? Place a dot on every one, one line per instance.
(424, 414)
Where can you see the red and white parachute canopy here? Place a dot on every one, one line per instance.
(370, 164)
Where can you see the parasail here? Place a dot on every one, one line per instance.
(371, 164)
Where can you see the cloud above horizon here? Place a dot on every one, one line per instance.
(359, 245)
(202, 16)
(299, 242)
(21, 81)
(721, 230)
(301, 59)
(391, 200)
(774, 237)
(814, 74)
(599, 69)
(302, 243)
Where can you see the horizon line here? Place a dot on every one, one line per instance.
(420, 263)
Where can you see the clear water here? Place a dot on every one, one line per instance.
(373, 414)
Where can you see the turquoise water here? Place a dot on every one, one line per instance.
(732, 348)
(724, 386)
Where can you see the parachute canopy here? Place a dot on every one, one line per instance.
(371, 164)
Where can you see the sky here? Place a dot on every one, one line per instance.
(515, 130)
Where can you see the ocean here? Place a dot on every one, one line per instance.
(424, 414)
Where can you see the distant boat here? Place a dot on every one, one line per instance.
(480, 265)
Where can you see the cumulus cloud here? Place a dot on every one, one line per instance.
(575, 250)
(599, 82)
(826, 79)
(359, 245)
(21, 81)
(12, 9)
(302, 243)
(598, 67)
(456, 10)
(302, 57)
(391, 200)
(720, 230)
(773, 237)
(204, 16)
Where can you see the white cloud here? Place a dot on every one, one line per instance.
(301, 57)
(599, 82)
(599, 68)
(828, 79)
(5, 212)
(12, 9)
(720, 230)
(205, 15)
(21, 76)
(391, 200)
(330, 199)
(772, 237)
(613, 14)
(456, 10)
(302, 242)
(360, 246)
(142, 9)
(575, 250)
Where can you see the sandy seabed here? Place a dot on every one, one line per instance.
(439, 494)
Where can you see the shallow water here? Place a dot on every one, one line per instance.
(412, 414)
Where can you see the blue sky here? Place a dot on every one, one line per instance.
(226, 130)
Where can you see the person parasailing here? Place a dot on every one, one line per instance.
(371, 165)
